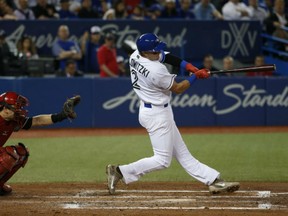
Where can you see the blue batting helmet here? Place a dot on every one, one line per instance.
(150, 42)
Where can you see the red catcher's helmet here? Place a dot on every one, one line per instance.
(16, 103)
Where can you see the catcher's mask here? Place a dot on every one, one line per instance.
(16, 103)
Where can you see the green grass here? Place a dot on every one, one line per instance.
(242, 157)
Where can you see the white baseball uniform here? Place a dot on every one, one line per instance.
(152, 82)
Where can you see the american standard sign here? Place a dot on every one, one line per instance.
(218, 101)
(240, 97)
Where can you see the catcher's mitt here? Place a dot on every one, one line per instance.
(68, 107)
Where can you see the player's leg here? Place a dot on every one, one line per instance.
(162, 148)
(11, 159)
(157, 122)
(198, 170)
(192, 166)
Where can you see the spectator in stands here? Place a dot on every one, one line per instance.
(257, 13)
(43, 10)
(219, 4)
(205, 10)
(70, 70)
(11, 3)
(6, 10)
(259, 61)
(4, 52)
(122, 66)
(64, 49)
(268, 6)
(109, 15)
(75, 6)
(208, 63)
(154, 11)
(131, 4)
(33, 3)
(236, 10)
(107, 57)
(26, 48)
(169, 10)
(120, 9)
(276, 21)
(87, 11)
(90, 43)
(23, 12)
(64, 12)
(102, 6)
(149, 3)
(186, 10)
(228, 63)
(137, 13)
(8, 54)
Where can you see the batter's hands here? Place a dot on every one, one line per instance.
(191, 68)
(202, 74)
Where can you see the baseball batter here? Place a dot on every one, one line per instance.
(13, 117)
(154, 84)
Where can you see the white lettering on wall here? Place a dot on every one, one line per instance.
(127, 33)
(244, 98)
(233, 39)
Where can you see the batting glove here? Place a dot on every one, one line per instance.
(202, 74)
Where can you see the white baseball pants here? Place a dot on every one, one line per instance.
(167, 142)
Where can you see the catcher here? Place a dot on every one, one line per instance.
(13, 117)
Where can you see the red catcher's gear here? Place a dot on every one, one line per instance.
(16, 103)
(12, 158)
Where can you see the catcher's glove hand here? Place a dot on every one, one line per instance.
(68, 107)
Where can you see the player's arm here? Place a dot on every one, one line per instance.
(47, 119)
(42, 120)
(178, 62)
(182, 86)
(217, 14)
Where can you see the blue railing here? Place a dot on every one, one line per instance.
(274, 54)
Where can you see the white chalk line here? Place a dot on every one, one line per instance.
(170, 191)
(87, 199)
(90, 194)
(124, 200)
(259, 207)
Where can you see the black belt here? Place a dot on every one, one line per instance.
(149, 105)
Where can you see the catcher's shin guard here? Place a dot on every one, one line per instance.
(11, 159)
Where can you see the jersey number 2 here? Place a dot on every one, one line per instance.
(135, 77)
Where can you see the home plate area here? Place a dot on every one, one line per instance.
(172, 199)
(143, 199)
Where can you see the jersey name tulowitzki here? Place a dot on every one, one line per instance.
(139, 68)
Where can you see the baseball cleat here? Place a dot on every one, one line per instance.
(220, 186)
(5, 190)
(113, 177)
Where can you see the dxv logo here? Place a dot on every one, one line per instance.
(235, 39)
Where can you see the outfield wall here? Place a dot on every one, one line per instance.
(224, 101)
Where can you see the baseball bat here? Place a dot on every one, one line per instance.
(262, 68)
